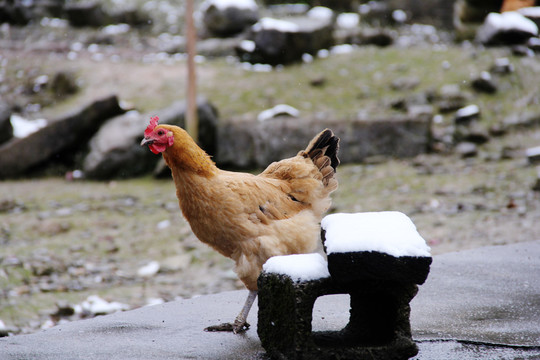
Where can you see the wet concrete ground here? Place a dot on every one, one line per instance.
(476, 304)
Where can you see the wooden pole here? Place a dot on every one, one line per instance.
(192, 122)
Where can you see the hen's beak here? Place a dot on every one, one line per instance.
(147, 141)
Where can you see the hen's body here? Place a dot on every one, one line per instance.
(251, 218)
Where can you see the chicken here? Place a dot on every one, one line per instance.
(250, 218)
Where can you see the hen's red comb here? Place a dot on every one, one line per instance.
(153, 123)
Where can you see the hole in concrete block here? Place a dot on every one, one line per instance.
(331, 312)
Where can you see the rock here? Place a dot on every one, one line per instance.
(246, 143)
(176, 263)
(484, 83)
(341, 5)
(226, 18)
(521, 121)
(360, 36)
(473, 133)
(502, 66)
(6, 129)
(466, 149)
(510, 152)
(536, 186)
(533, 155)
(94, 305)
(450, 98)
(63, 309)
(467, 114)
(212, 47)
(131, 16)
(507, 29)
(420, 111)
(86, 14)
(22, 12)
(66, 134)
(522, 50)
(112, 156)
(63, 84)
(534, 44)
(285, 41)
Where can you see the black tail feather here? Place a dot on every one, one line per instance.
(327, 144)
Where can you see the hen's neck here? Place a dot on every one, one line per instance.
(187, 158)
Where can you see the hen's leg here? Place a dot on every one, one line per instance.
(240, 323)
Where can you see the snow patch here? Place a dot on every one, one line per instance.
(507, 21)
(97, 306)
(300, 267)
(530, 12)
(390, 232)
(148, 270)
(468, 110)
(267, 23)
(278, 110)
(321, 13)
(224, 4)
(348, 20)
(23, 127)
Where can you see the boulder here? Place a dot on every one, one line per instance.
(86, 14)
(22, 12)
(532, 13)
(131, 16)
(113, 156)
(64, 135)
(6, 129)
(508, 28)
(273, 41)
(226, 18)
(248, 143)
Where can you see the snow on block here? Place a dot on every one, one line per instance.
(300, 267)
(382, 246)
(389, 232)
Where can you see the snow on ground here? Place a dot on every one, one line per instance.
(468, 110)
(267, 23)
(389, 232)
(278, 110)
(300, 267)
(348, 20)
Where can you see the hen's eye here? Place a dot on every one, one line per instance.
(160, 132)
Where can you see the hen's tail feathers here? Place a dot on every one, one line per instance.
(323, 151)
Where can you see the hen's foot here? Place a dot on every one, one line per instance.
(236, 328)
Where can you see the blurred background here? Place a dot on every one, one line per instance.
(437, 105)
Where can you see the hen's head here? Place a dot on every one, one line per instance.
(157, 137)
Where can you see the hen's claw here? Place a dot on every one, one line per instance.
(236, 328)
